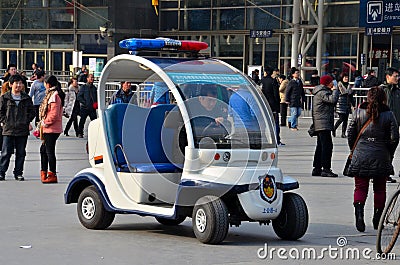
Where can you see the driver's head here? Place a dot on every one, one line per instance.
(126, 86)
(208, 98)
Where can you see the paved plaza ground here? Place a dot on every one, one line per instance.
(36, 227)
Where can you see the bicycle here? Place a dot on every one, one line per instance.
(389, 224)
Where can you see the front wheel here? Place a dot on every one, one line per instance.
(292, 222)
(210, 220)
(91, 212)
(389, 225)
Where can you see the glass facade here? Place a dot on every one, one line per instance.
(226, 25)
(55, 28)
(44, 31)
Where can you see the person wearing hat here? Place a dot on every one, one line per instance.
(325, 98)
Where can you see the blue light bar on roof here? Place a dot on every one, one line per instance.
(136, 44)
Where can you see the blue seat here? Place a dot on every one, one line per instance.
(137, 137)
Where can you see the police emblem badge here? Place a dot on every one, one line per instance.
(268, 189)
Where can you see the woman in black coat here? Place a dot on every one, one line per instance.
(344, 104)
(373, 155)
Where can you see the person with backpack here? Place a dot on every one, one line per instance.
(50, 113)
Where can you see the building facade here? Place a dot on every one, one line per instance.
(47, 32)
(226, 26)
(322, 34)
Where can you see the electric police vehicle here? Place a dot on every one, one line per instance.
(196, 140)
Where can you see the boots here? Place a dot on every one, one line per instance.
(359, 213)
(51, 178)
(377, 217)
(43, 176)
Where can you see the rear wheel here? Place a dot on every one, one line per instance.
(171, 222)
(389, 225)
(292, 222)
(210, 220)
(91, 212)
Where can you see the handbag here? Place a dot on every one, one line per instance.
(349, 158)
(38, 132)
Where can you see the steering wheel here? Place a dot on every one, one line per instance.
(213, 128)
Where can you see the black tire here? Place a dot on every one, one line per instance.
(292, 222)
(389, 225)
(210, 220)
(91, 212)
(171, 222)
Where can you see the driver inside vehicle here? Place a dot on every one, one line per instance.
(207, 111)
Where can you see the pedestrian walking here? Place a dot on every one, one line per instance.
(87, 98)
(283, 82)
(270, 89)
(50, 111)
(325, 98)
(37, 92)
(295, 97)
(344, 104)
(391, 88)
(71, 106)
(16, 113)
(373, 153)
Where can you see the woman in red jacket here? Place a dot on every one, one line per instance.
(50, 113)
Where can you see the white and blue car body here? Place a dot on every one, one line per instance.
(196, 140)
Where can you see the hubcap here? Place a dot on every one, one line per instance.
(201, 220)
(88, 208)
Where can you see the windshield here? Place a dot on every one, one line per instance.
(225, 110)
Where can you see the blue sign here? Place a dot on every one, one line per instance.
(378, 31)
(261, 33)
(299, 59)
(363, 58)
(379, 13)
(223, 79)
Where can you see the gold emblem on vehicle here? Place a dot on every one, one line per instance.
(268, 188)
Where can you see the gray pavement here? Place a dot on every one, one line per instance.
(36, 227)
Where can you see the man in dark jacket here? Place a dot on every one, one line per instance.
(270, 89)
(16, 113)
(123, 95)
(392, 91)
(323, 118)
(87, 98)
(295, 97)
(371, 79)
(391, 88)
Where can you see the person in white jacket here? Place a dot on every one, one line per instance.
(71, 107)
